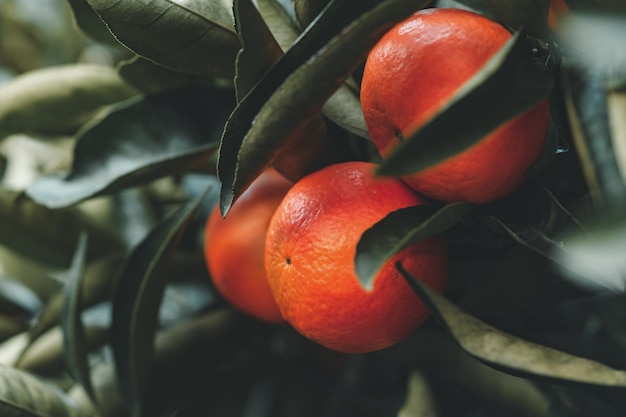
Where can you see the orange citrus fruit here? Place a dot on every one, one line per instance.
(309, 259)
(556, 13)
(234, 247)
(306, 151)
(414, 70)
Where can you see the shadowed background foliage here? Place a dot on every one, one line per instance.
(123, 123)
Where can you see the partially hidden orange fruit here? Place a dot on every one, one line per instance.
(309, 259)
(414, 70)
(234, 247)
(556, 13)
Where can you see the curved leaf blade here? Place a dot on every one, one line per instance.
(137, 142)
(344, 106)
(96, 287)
(295, 91)
(594, 259)
(510, 78)
(90, 23)
(75, 351)
(558, 252)
(45, 235)
(151, 78)
(531, 15)
(586, 101)
(399, 230)
(47, 97)
(259, 48)
(17, 299)
(193, 36)
(24, 395)
(510, 353)
(137, 301)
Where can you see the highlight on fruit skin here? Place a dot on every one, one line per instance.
(310, 250)
(234, 247)
(414, 70)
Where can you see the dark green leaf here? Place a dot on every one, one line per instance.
(259, 48)
(137, 301)
(399, 230)
(17, 299)
(46, 355)
(522, 281)
(420, 397)
(307, 10)
(594, 259)
(24, 395)
(76, 355)
(90, 23)
(586, 101)
(591, 260)
(597, 6)
(11, 326)
(511, 80)
(279, 22)
(510, 353)
(150, 78)
(437, 354)
(96, 288)
(45, 235)
(531, 15)
(137, 142)
(195, 36)
(298, 86)
(49, 97)
(344, 106)
(529, 236)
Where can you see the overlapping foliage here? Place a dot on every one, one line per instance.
(122, 123)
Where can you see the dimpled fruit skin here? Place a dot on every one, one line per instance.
(235, 247)
(414, 70)
(309, 258)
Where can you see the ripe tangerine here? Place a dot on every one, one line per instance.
(234, 247)
(414, 70)
(309, 259)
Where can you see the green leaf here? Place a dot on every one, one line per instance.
(531, 15)
(46, 98)
(90, 23)
(137, 301)
(307, 10)
(194, 36)
(509, 353)
(298, 86)
(587, 109)
(594, 259)
(259, 48)
(96, 287)
(11, 326)
(150, 78)
(556, 251)
(46, 355)
(48, 236)
(420, 397)
(399, 230)
(17, 299)
(76, 354)
(521, 281)
(137, 142)
(344, 106)
(279, 22)
(24, 395)
(511, 80)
